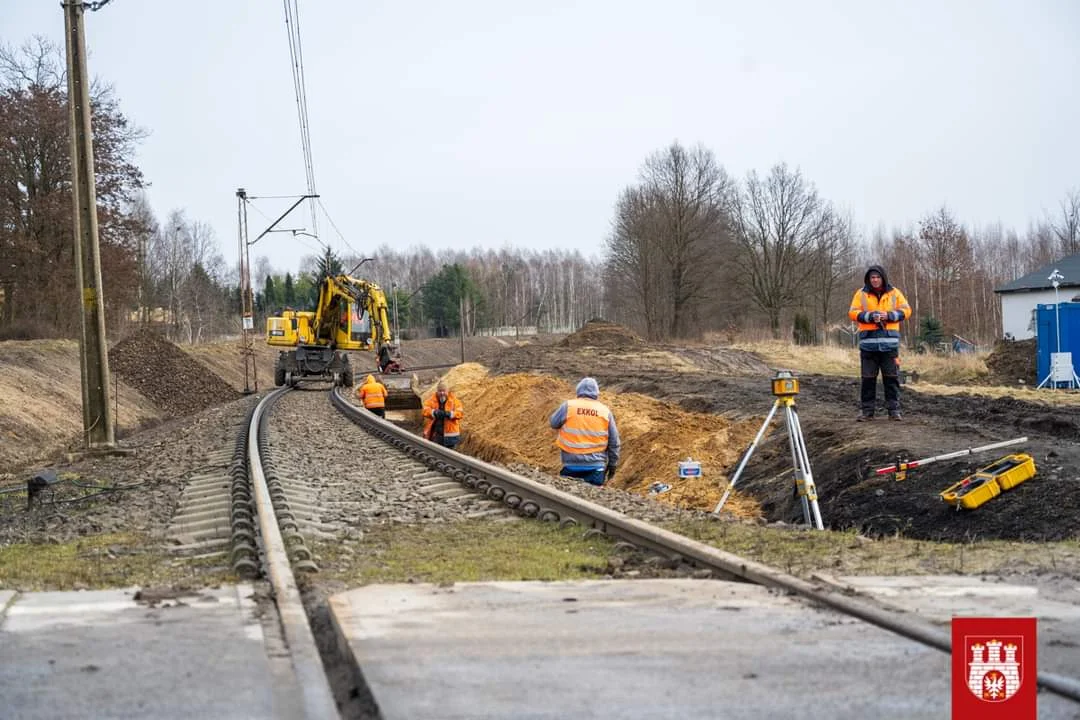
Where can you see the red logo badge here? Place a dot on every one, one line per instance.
(994, 669)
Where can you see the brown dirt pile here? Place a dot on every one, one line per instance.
(166, 375)
(1013, 361)
(506, 421)
(603, 334)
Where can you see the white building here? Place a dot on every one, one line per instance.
(1019, 297)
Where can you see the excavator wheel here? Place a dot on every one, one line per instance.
(347, 378)
(279, 376)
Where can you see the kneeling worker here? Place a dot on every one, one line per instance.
(373, 394)
(588, 438)
(442, 416)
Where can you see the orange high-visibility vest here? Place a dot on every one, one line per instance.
(452, 424)
(586, 428)
(373, 395)
(892, 300)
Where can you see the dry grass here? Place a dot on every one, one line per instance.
(818, 359)
(834, 360)
(802, 552)
(961, 369)
(103, 561)
(466, 551)
(937, 374)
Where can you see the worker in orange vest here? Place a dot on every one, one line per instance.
(442, 416)
(373, 394)
(879, 308)
(588, 437)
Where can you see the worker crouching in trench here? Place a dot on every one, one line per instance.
(588, 438)
(443, 412)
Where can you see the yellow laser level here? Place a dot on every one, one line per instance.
(785, 384)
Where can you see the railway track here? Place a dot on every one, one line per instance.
(275, 505)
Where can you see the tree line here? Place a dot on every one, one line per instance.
(692, 249)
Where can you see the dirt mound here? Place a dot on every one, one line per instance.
(1013, 362)
(506, 421)
(166, 375)
(603, 334)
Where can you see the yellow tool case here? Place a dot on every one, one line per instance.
(989, 482)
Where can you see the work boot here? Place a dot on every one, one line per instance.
(864, 418)
(895, 415)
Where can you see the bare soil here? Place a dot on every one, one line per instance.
(1013, 362)
(704, 402)
(714, 399)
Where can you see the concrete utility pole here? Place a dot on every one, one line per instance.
(98, 427)
(247, 297)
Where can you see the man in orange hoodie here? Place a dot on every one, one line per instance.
(373, 394)
(442, 416)
(878, 308)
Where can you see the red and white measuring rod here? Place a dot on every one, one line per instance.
(902, 466)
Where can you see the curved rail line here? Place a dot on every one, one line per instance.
(549, 504)
(318, 698)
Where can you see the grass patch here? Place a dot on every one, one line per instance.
(467, 551)
(958, 369)
(801, 552)
(963, 369)
(106, 561)
(819, 359)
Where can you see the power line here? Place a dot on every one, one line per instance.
(334, 225)
(296, 56)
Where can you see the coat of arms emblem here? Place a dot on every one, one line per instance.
(993, 666)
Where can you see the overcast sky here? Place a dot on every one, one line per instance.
(492, 123)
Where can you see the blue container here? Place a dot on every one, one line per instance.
(1046, 323)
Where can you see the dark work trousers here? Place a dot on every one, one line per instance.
(381, 412)
(871, 364)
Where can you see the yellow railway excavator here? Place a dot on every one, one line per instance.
(350, 315)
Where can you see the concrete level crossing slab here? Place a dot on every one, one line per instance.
(633, 649)
(939, 598)
(104, 654)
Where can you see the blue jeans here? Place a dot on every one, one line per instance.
(593, 476)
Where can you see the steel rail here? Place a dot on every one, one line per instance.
(555, 505)
(317, 696)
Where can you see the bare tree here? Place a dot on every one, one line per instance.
(689, 189)
(38, 269)
(1067, 225)
(633, 271)
(947, 257)
(779, 221)
(666, 239)
(832, 262)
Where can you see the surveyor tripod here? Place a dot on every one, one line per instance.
(785, 387)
